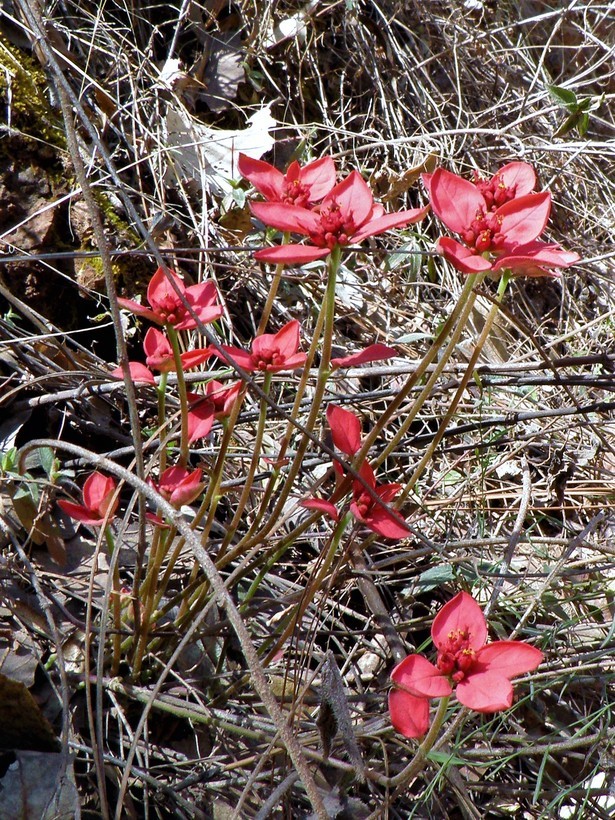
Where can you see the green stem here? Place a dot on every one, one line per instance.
(162, 396)
(458, 394)
(147, 595)
(312, 588)
(256, 455)
(183, 399)
(273, 290)
(116, 603)
(455, 326)
(324, 371)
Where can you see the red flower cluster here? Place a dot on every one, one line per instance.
(481, 672)
(499, 221)
(307, 201)
(373, 512)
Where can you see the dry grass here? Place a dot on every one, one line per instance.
(515, 506)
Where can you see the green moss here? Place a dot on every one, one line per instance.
(23, 94)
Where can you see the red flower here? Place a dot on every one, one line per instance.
(298, 186)
(481, 672)
(346, 432)
(512, 180)
(99, 503)
(372, 353)
(159, 353)
(271, 352)
(167, 307)
(346, 216)
(179, 485)
(216, 403)
(495, 236)
(373, 514)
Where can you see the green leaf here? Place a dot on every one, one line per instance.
(8, 461)
(563, 96)
(443, 758)
(583, 124)
(48, 460)
(569, 123)
(435, 577)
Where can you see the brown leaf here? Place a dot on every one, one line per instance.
(22, 724)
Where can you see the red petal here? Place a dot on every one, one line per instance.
(460, 613)
(509, 658)
(80, 513)
(345, 429)
(286, 217)
(267, 180)
(409, 715)
(158, 351)
(292, 363)
(319, 176)
(372, 353)
(454, 200)
(138, 373)
(98, 492)
(381, 521)
(523, 219)
(180, 485)
(485, 692)
(519, 175)
(322, 505)
(388, 221)
(160, 291)
(387, 492)
(292, 254)
(287, 339)
(536, 254)
(135, 307)
(416, 675)
(193, 358)
(354, 198)
(462, 258)
(200, 421)
(240, 357)
(203, 299)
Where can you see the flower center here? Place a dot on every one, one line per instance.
(170, 309)
(456, 657)
(364, 504)
(495, 191)
(334, 229)
(296, 193)
(483, 232)
(268, 360)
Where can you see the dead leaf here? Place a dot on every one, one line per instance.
(38, 787)
(22, 724)
(389, 185)
(224, 70)
(18, 663)
(209, 155)
(335, 717)
(290, 27)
